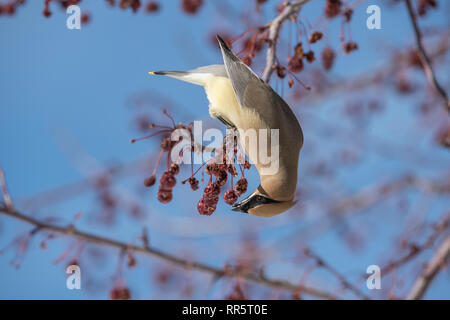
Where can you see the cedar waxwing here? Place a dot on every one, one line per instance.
(241, 100)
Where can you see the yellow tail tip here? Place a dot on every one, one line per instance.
(151, 72)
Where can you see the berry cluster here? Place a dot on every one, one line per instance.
(133, 4)
(9, 8)
(296, 61)
(218, 171)
(208, 203)
(254, 39)
(152, 6)
(333, 8)
(167, 182)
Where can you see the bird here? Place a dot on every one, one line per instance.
(240, 99)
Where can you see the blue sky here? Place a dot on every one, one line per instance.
(67, 89)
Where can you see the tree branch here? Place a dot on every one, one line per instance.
(416, 249)
(426, 61)
(274, 32)
(184, 263)
(344, 282)
(430, 271)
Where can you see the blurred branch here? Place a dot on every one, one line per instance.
(184, 263)
(408, 153)
(322, 263)
(415, 250)
(430, 271)
(381, 73)
(70, 190)
(426, 61)
(289, 10)
(340, 210)
(370, 196)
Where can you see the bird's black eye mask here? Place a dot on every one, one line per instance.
(250, 202)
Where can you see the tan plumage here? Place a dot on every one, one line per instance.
(239, 98)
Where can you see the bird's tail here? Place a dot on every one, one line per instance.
(170, 73)
(188, 76)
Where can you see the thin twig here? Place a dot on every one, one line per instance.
(274, 32)
(426, 61)
(184, 263)
(344, 282)
(415, 250)
(430, 271)
(372, 195)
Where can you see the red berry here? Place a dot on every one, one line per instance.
(167, 180)
(232, 170)
(223, 177)
(191, 6)
(174, 168)
(164, 195)
(310, 56)
(350, 46)
(333, 8)
(205, 209)
(247, 60)
(327, 58)
(241, 186)
(194, 183)
(211, 201)
(212, 189)
(295, 64)
(230, 197)
(150, 181)
(120, 293)
(152, 6)
(315, 36)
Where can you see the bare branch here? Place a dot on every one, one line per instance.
(415, 250)
(364, 199)
(370, 196)
(184, 263)
(426, 61)
(430, 271)
(274, 32)
(344, 282)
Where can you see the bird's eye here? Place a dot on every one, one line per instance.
(259, 198)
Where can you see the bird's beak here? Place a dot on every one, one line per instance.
(236, 207)
(242, 205)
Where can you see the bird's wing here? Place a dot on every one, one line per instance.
(238, 72)
(251, 91)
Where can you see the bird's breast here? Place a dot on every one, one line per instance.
(222, 100)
